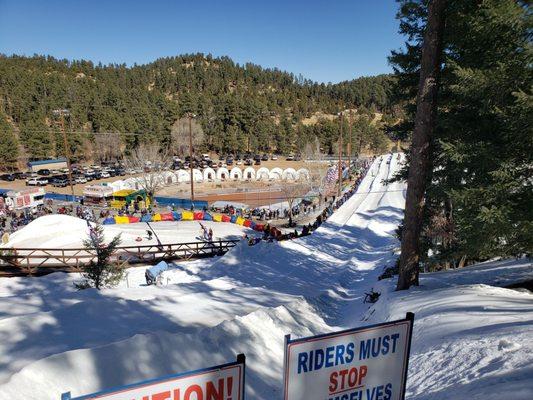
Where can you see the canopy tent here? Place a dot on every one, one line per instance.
(128, 196)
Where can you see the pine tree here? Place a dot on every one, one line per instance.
(100, 273)
(477, 202)
(9, 150)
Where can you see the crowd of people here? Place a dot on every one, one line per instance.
(332, 204)
(12, 220)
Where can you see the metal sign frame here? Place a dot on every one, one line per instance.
(241, 362)
(409, 318)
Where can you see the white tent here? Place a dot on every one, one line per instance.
(222, 174)
(209, 174)
(262, 174)
(275, 174)
(235, 174)
(197, 175)
(302, 174)
(249, 173)
(169, 178)
(289, 174)
(183, 176)
(116, 185)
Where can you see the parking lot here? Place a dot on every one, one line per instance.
(63, 187)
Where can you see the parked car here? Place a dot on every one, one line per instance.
(36, 182)
(80, 179)
(60, 182)
(248, 161)
(258, 162)
(8, 177)
(274, 157)
(290, 157)
(265, 157)
(105, 174)
(229, 161)
(21, 175)
(43, 172)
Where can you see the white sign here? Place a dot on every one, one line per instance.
(223, 382)
(368, 363)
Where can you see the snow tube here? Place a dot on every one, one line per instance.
(121, 219)
(240, 221)
(217, 218)
(233, 219)
(226, 218)
(146, 218)
(187, 216)
(275, 232)
(208, 217)
(259, 227)
(198, 215)
(167, 217)
(133, 219)
(247, 223)
(109, 221)
(176, 215)
(156, 217)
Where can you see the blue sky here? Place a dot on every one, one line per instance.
(327, 41)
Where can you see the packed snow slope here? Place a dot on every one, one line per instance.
(58, 231)
(55, 339)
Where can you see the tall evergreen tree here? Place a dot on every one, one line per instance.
(9, 150)
(476, 204)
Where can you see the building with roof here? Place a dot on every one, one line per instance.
(53, 163)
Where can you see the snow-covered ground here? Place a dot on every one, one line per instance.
(471, 340)
(63, 231)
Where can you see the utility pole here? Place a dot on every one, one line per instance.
(340, 156)
(191, 152)
(62, 114)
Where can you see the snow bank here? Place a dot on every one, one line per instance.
(470, 340)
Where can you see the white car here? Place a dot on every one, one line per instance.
(36, 182)
(274, 157)
(239, 162)
(105, 174)
(80, 179)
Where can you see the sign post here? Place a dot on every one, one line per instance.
(367, 363)
(220, 382)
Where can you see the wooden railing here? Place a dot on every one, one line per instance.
(31, 259)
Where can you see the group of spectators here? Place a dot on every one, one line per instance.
(333, 203)
(12, 220)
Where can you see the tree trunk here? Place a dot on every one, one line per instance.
(419, 167)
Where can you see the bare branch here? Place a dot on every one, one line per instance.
(154, 162)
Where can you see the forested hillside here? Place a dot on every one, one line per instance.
(238, 107)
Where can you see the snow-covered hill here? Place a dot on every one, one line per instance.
(468, 336)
